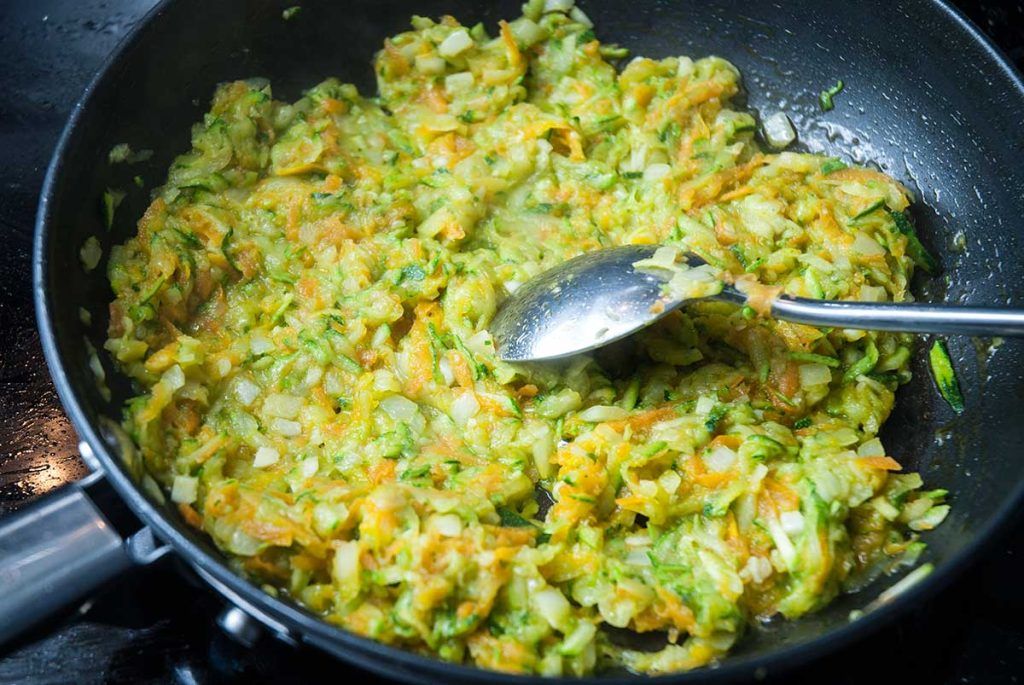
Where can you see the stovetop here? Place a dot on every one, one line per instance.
(157, 624)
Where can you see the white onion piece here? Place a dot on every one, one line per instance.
(603, 413)
(399, 408)
(720, 459)
(455, 44)
(792, 523)
(778, 130)
(265, 456)
(184, 489)
(814, 374)
(464, 408)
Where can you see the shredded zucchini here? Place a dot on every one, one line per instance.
(305, 307)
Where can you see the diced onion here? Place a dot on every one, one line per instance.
(542, 449)
(481, 343)
(447, 373)
(603, 413)
(758, 569)
(873, 293)
(792, 522)
(656, 171)
(332, 383)
(441, 123)
(309, 467)
(552, 606)
(638, 557)
(345, 568)
(871, 448)
(173, 378)
(282, 406)
(429, 64)
(265, 456)
(527, 31)
(326, 517)
(862, 244)
(455, 44)
(287, 428)
(778, 130)
(459, 82)
(445, 525)
(720, 459)
(670, 481)
(558, 5)
(260, 344)
(685, 67)
(661, 263)
(705, 404)
(91, 253)
(246, 391)
(381, 336)
(814, 374)
(580, 17)
(184, 489)
(385, 381)
(313, 376)
(647, 488)
(399, 408)
(464, 408)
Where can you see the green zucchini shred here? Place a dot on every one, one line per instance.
(825, 98)
(915, 249)
(945, 376)
(111, 200)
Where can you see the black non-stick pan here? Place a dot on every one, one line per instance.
(927, 99)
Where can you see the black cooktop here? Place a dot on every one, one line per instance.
(158, 624)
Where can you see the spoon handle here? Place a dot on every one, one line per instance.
(907, 317)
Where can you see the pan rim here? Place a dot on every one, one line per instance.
(366, 652)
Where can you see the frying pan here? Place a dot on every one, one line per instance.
(927, 99)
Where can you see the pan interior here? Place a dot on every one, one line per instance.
(923, 100)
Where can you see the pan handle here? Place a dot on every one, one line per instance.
(58, 550)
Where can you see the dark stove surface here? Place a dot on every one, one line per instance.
(157, 625)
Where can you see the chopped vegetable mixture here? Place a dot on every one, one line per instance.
(305, 306)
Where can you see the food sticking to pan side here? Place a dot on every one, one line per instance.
(305, 309)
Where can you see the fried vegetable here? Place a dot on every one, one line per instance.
(305, 310)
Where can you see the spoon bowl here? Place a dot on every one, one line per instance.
(585, 303)
(599, 297)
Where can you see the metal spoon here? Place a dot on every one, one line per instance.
(599, 297)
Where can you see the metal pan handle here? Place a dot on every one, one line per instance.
(59, 550)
